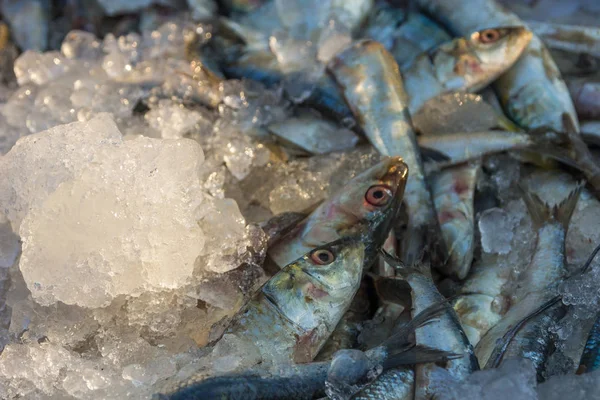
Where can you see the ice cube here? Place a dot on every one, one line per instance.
(173, 120)
(496, 230)
(81, 45)
(573, 387)
(121, 240)
(515, 379)
(40, 68)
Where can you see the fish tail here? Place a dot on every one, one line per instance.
(403, 269)
(418, 355)
(542, 213)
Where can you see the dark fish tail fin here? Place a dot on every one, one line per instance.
(568, 124)
(541, 212)
(419, 355)
(403, 269)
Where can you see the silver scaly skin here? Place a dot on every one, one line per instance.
(468, 63)
(535, 286)
(395, 384)
(373, 88)
(453, 195)
(462, 147)
(573, 38)
(445, 333)
(532, 92)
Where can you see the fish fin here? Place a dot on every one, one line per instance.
(432, 155)
(392, 290)
(401, 338)
(281, 224)
(506, 339)
(418, 355)
(568, 124)
(404, 269)
(541, 212)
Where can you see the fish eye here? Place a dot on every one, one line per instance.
(322, 257)
(378, 195)
(489, 35)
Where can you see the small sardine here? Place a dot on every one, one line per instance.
(366, 205)
(532, 92)
(453, 195)
(590, 359)
(445, 333)
(372, 86)
(395, 384)
(573, 38)
(535, 286)
(464, 64)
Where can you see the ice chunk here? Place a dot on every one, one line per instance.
(572, 387)
(39, 163)
(232, 352)
(496, 230)
(515, 379)
(123, 54)
(172, 120)
(81, 45)
(40, 68)
(8, 134)
(9, 244)
(122, 239)
(202, 9)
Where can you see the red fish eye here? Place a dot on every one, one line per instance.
(378, 195)
(489, 35)
(322, 257)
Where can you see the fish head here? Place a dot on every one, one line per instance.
(366, 206)
(471, 63)
(370, 202)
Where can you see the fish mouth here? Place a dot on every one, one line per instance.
(394, 173)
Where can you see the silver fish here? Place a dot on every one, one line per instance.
(536, 285)
(453, 195)
(372, 86)
(573, 38)
(585, 93)
(464, 64)
(532, 91)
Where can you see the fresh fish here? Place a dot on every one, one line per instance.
(404, 34)
(445, 333)
(532, 92)
(301, 381)
(395, 384)
(372, 87)
(242, 6)
(535, 286)
(571, 65)
(590, 359)
(366, 205)
(464, 64)
(347, 369)
(585, 93)
(456, 148)
(313, 134)
(572, 38)
(294, 313)
(453, 195)
(453, 113)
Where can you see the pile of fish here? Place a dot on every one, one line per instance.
(402, 283)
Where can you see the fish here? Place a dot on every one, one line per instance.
(532, 92)
(585, 93)
(313, 134)
(590, 132)
(395, 384)
(590, 359)
(453, 113)
(348, 368)
(29, 21)
(467, 63)
(372, 86)
(457, 148)
(535, 286)
(366, 205)
(445, 333)
(453, 195)
(404, 34)
(572, 38)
